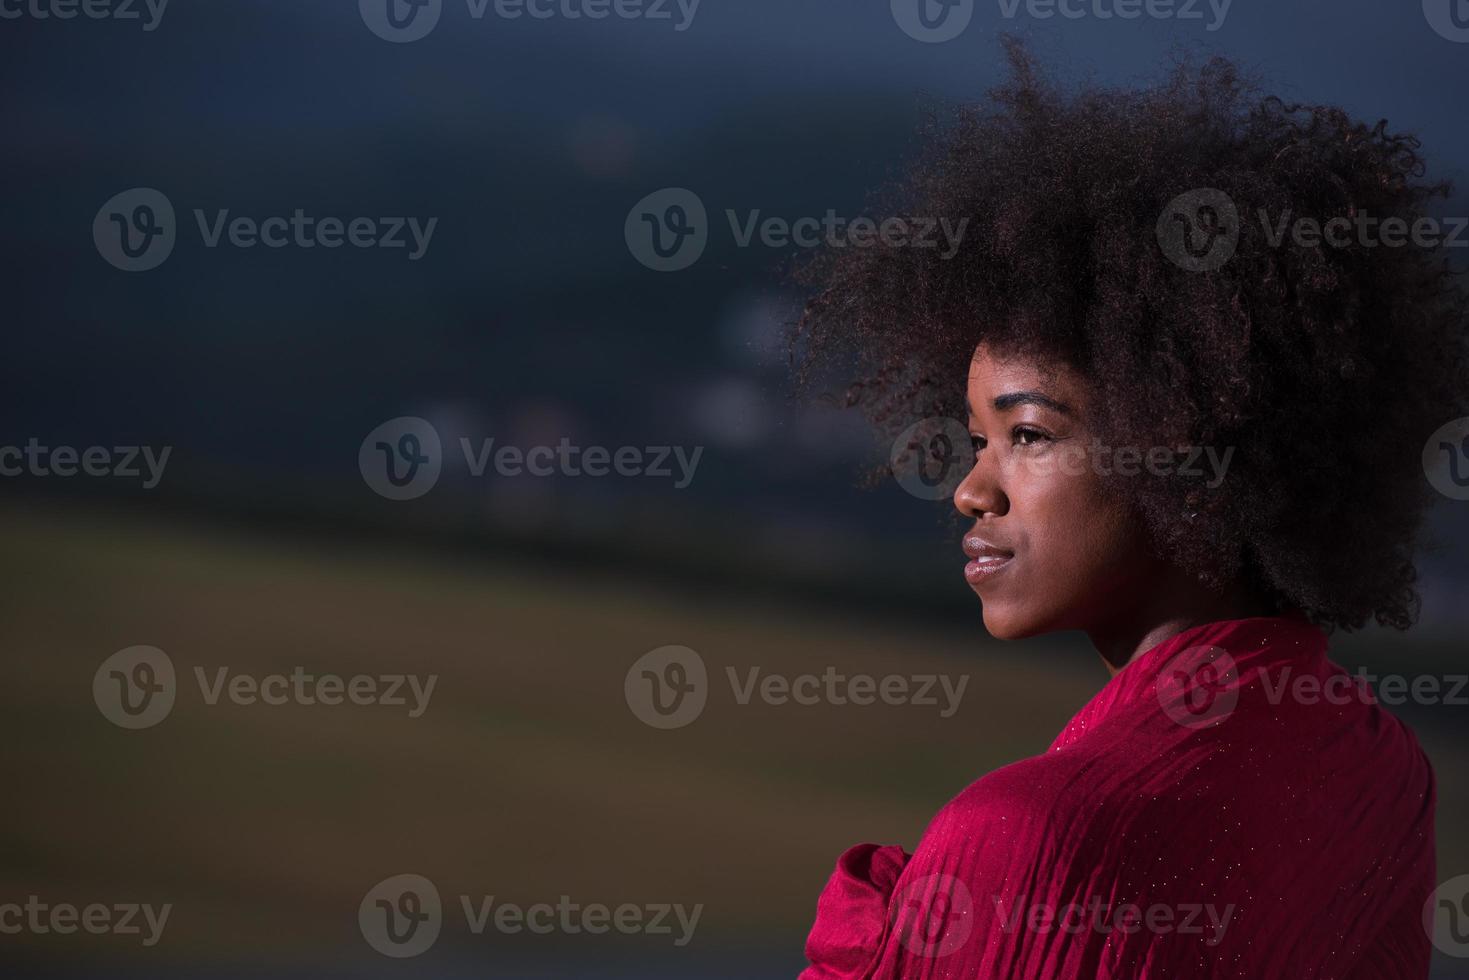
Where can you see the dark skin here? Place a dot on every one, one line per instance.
(1080, 559)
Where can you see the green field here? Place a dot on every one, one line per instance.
(527, 777)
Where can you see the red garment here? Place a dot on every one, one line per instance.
(1214, 811)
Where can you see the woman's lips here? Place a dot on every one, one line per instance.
(980, 569)
(985, 559)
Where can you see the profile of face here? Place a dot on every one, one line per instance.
(1049, 549)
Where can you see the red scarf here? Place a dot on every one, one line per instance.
(1230, 804)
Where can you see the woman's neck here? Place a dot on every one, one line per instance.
(1166, 613)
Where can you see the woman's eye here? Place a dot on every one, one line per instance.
(976, 442)
(1029, 437)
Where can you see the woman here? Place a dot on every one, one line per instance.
(1197, 437)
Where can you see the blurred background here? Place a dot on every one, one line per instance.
(265, 542)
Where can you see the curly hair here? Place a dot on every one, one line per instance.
(1325, 366)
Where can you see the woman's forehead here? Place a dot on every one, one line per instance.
(990, 372)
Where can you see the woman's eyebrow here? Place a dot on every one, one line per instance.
(1005, 402)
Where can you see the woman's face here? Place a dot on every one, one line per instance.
(1048, 550)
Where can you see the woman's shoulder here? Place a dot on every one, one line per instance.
(1274, 770)
(1057, 794)
(1141, 806)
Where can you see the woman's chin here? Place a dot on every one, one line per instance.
(1003, 623)
(1006, 622)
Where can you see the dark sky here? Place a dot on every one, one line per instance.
(529, 139)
